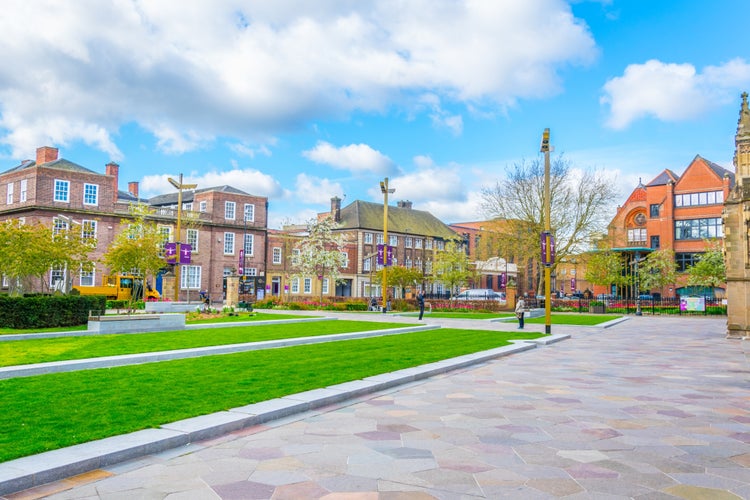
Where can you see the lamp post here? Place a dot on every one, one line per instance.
(547, 229)
(386, 191)
(180, 186)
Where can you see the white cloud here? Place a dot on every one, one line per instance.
(671, 92)
(193, 72)
(309, 189)
(248, 180)
(356, 158)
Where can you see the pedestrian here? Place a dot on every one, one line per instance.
(420, 303)
(520, 306)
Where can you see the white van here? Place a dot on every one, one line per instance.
(481, 294)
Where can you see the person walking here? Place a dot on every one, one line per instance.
(420, 303)
(520, 306)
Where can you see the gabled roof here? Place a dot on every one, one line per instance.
(222, 189)
(188, 196)
(366, 215)
(719, 170)
(60, 164)
(664, 178)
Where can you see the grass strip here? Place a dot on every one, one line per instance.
(575, 319)
(11, 331)
(461, 315)
(21, 352)
(253, 316)
(62, 409)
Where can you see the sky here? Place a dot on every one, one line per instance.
(301, 101)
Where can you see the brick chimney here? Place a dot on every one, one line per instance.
(336, 208)
(133, 188)
(113, 169)
(404, 204)
(45, 154)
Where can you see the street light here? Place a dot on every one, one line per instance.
(180, 186)
(547, 228)
(386, 191)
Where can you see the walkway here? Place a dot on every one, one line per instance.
(649, 408)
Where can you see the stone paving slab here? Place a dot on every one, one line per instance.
(29, 472)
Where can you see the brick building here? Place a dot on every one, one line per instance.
(672, 211)
(222, 220)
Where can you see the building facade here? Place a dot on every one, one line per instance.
(678, 212)
(221, 223)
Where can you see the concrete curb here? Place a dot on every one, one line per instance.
(28, 472)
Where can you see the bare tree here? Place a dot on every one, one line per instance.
(579, 202)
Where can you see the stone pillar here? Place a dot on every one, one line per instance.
(233, 291)
(167, 286)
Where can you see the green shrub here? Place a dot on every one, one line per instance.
(48, 311)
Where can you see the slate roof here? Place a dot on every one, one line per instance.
(60, 163)
(663, 178)
(366, 215)
(187, 196)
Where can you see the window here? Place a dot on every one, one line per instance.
(636, 235)
(57, 278)
(325, 286)
(87, 277)
(307, 285)
(10, 193)
(653, 210)
(407, 262)
(276, 255)
(251, 271)
(229, 210)
(344, 259)
(686, 260)
(295, 256)
(227, 272)
(393, 241)
(695, 199)
(187, 206)
(367, 265)
(192, 239)
(695, 229)
(295, 285)
(58, 226)
(166, 233)
(88, 229)
(90, 194)
(62, 190)
(418, 243)
(228, 243)
(440, 245)
(24, 185)
(249, 238)
(380, 238)
(408, 241)
(190, 277)
(249, 212)
(428, 244)
(368, 238)
(654, 242)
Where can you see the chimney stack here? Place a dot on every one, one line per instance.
(404, 204)
(133, 188)
(45, 154)
(113, 169)
(336, 208)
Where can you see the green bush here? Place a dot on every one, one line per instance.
(48, 311)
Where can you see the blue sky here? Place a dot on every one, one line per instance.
(300, 101)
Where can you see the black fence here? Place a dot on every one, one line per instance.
(691, 306)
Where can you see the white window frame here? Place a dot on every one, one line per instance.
(190, 277)
(276, 255)
(249, 212)
(296, 253)
(191, 238)
(380, 239)
(326, 286)
(88, 228)
(9, 197)
(368, 238)
(202, 206)
(249, 245)
(345, 259)
(24, 188)
(230, 210)
(307, 285)
(228, 243)
(62, 188)
(87, 278)
(367, 265)
(408, 241)
(295, 285)
(392, 240)
(90, 197)
(428, 244)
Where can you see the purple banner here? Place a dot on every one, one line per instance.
(185, 253)
(170, 252)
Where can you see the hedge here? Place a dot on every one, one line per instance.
(48, 311)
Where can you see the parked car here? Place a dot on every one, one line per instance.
(645, 296)
(481, 294)
(605, 296)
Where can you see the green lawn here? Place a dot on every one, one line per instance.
(21, 352)
(9, 331)
(52, 411)
(575, 319)
(461, 315)
(253, 316)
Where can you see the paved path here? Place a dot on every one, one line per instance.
(650, 408)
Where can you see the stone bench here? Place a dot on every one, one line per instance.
(136, 323)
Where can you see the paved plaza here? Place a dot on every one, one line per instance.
(648, 408)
